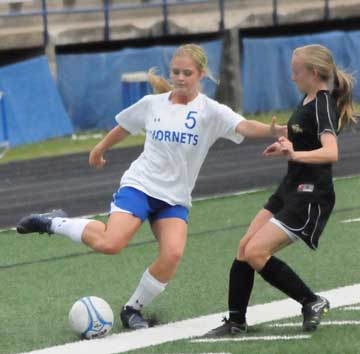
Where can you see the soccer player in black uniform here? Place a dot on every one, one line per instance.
(302, 204)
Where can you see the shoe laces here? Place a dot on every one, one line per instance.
(225, 320)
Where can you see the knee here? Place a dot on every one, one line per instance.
(255, 257)
(241, 250)
(110, 247)
(173, 257)
(110, 250)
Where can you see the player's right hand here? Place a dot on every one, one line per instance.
(274, 149)
(96, 158)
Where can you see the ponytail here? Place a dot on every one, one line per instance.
(342, 93)
(159, 84)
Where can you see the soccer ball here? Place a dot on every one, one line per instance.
(91, 317)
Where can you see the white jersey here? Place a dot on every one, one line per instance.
(178, 138)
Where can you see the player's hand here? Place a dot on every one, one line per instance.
(274, 149)
(96, 158)
(277, 130)
(286, 147)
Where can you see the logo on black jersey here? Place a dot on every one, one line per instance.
(296, 128)
(309, 188)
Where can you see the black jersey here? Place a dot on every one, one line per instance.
(303, 202)
(305, 127)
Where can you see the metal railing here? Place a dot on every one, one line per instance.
(107, 7)
(275, 16)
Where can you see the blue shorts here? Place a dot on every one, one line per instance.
(138, 203)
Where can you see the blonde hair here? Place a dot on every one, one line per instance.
(158, 83)
(319, 58)
(195, 52)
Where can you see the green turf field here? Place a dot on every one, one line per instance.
(41, 277)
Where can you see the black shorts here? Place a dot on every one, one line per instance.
(302, 210)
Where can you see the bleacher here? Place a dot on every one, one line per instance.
(79, 21)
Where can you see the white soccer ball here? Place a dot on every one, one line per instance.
(91, 317)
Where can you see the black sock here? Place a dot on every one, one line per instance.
(282, 277)
(240, 286)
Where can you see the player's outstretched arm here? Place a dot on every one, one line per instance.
(96, 157)
(255, 129)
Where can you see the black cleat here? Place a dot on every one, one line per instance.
(40, 223)
(312, 313)
(229, 327)
(132, 318)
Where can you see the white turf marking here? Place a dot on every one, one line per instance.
(350, 220)
(225, 195)
(254, 338)
(323, 323)
(351, 308)
(86, 136)
(123, 342)
(9, 229)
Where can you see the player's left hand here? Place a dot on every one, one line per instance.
(286, 147)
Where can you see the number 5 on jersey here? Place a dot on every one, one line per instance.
(191, 120)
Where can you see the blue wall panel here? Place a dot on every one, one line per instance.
(266, 67)
(90, 84)
(33, 107)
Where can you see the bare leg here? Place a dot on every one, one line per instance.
(113, 236)
(261, 218)
(171, 234)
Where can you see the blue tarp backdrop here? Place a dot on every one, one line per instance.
(91, 86)
(32, 105)
(93, 89)
(266, 67)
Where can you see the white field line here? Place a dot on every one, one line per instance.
(86, 136)
(350, 220)
(123, 342)
(247, 339)
(323, 323)
(351, 308)
(225, 195)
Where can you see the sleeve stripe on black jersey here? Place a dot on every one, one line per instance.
(317, 116)
(328, 112)
(329, 118)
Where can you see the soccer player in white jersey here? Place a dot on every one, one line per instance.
(181, 125)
